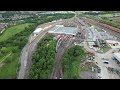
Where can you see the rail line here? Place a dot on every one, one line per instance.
(108, 28)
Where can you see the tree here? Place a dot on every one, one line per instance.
(4, 50)
(1, 54)
(14, 50)
(8, 59)
(43, 58)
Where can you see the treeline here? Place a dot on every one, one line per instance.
(102, 12)
(43, 18)
(19, 39)
(71, 62)
(110, 22)
(37, 18)
(43, 59)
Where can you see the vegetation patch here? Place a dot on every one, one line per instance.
(9, 32)
(10, 52)
(71, 62)
(43, 59)
(8, 69)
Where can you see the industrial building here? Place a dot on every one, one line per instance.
(117, 57)
(60, 29)
(113, 43)
(91, 44)
(37, 31)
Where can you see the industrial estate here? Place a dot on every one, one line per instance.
(60, 45)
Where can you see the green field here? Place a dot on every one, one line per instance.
(13, 30)
(9, 63)
(105, 15)
(105, 49)
(8, 69)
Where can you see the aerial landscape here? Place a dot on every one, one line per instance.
(59, 44)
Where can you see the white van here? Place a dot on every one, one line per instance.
(105, 61)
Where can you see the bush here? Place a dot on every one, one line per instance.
(4, 50)
(8, 60)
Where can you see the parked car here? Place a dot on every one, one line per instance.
(105, 61)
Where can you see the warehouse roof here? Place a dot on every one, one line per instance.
(37, 30)
(117, 56)
(63, 30)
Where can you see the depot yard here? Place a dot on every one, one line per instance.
(89, 67)
(100, 40)
(88, 70)
(74, 69)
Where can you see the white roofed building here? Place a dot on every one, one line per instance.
(117, 56)
(60, 29)
(37, 31)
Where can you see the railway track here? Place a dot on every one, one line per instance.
(113, 31)
(62, 46)
(57, 69)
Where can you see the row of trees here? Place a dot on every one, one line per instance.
(43, 17)
(71, 62)
(35, 18)
(18, 39)
(43, 59)
(110, 22)
(100, 12)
